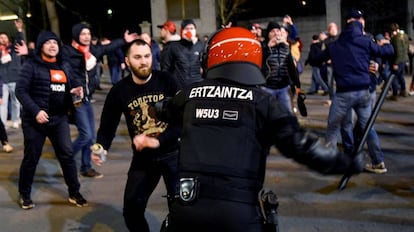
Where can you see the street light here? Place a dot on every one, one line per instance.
(8, 17)
(109, 13)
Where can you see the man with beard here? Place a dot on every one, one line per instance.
(135, 96)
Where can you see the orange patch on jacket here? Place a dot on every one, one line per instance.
(58, 76)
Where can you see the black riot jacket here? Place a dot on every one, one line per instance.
(228, 129)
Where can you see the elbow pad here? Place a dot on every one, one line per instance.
(309, 150)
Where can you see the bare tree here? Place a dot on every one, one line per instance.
(228, 9)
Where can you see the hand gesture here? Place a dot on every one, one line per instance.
(19, 24)
(78, 91)
(142, 141)
(42, 117)
(129, 37)
(21, 49)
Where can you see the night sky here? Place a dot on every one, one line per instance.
(127, 16)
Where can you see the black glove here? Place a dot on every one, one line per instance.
(357, 165)
(306, 148)
(162, 110)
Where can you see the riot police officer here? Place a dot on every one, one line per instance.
(228, 126)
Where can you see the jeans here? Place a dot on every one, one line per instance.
(331, 81)
(317, 80)
(282, 95)
(399, 81)
(9, 89)
(85, 123)
(373, 142)
(115, 73)
(342, 104)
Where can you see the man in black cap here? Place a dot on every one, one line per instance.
(351, 54)
(354, 15)
(182, 59)
(44, 89)
(279, 66)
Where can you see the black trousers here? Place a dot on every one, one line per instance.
(142, 179)
(214, 215)
(3, 134)
(58, 132)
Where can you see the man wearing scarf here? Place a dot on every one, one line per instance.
(183, 58)
(10, 64)
(82, 56)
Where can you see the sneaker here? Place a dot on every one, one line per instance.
(15, 125)
(393, 98)
(7, 148)
(92, 174)
(403, 93)
(78, 200)
(377, 168)
(26, 203)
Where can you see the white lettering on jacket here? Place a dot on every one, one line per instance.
(207, 113)
(57, 87)
(221, 92)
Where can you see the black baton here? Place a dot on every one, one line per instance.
(370, 123)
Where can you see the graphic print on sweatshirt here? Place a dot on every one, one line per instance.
(143, 113)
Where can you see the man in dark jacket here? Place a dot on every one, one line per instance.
(45, 88)
(350, 55)
(279, 69)
(83, 57)
(182, 58)
(317, 65)
(228, 126)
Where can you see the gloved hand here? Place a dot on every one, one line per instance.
(357, 165)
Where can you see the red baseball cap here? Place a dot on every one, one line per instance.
(169, 26)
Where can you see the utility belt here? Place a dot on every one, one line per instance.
(190, 189)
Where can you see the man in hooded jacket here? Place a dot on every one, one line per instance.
(82, 56)
(44, 88)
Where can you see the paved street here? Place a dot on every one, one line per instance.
(309, 202)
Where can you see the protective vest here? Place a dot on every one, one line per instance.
(220, 131)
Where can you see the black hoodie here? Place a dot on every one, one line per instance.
(39, 88)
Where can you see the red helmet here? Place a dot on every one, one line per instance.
(235, 54)
(234, 44)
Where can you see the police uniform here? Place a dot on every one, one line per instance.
(229, 124)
